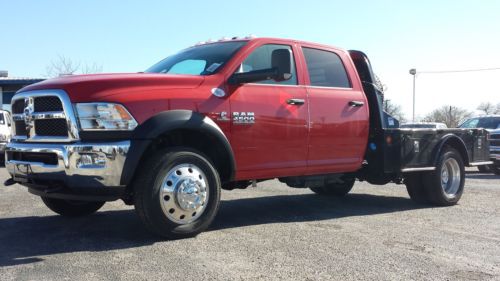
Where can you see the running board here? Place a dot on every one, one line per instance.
(481, 163)
(420, 169)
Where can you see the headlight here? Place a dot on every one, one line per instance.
(104, 116)
(4, 137)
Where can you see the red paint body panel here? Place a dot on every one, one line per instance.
(324, 135)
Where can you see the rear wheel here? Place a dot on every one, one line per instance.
(416, 189)
(495, 169)
(445, 185)
(338, 189)
(177, 194)
(484, 169)
(72, 208)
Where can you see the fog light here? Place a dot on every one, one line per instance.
(91, 161)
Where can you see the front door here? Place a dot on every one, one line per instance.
(269, 121)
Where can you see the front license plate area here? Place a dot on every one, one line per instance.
(22, 172)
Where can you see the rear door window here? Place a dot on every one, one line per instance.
(325, 69)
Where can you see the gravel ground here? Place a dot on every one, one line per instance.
(271, 232)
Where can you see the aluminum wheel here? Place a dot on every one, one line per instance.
(184, 193)
(450, 177)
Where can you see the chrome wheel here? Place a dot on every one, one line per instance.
(450, 177)
(184, 193)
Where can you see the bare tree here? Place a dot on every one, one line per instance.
(66, 66)
(450, 115)
(90, 69)
(61, 66)
(394, 110)
(489, 108)
(381, 86)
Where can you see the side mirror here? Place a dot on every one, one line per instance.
(281, 60)
(252, 76)
(281, 65)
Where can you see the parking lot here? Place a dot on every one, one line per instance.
(268, 232)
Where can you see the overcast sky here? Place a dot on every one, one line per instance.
(129, 36)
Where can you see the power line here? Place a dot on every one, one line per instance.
(462, 70)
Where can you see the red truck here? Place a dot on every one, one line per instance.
(225, 115)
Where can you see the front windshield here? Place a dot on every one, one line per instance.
(198, 60)
(489, 123)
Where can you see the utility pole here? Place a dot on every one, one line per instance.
(413, 72)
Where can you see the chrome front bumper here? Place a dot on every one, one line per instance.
(75, 165)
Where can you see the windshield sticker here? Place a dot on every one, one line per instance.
(213, 67)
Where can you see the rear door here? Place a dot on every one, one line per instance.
(339, 117)
(269, 135)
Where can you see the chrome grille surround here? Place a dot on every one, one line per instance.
(28, 116)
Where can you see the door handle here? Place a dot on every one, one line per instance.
(295, 101)
(355, 103)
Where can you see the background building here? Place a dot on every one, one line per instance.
(10, 85)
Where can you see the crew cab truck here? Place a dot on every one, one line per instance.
(224, 115)
(490, 123)
(495, 151)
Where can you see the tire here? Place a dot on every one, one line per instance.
(335, 189)
(495, 169)
(484, 169)
(416, 188)
(445, 185)
(177, 193)
(72, 208)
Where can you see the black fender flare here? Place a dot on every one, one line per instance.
(162, 123)
(453, 141)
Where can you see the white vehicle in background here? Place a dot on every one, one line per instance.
(426, 125)
(492, 124)
(5, 134)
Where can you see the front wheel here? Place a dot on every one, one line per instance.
(177, 194)
(72, 208)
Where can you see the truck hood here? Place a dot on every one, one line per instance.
(93, 87)
(494, 132)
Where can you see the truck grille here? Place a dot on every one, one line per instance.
(20, 128)
(495, 140)
(18, 106)
(51, 127)
(42, 116)
(47, 104)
